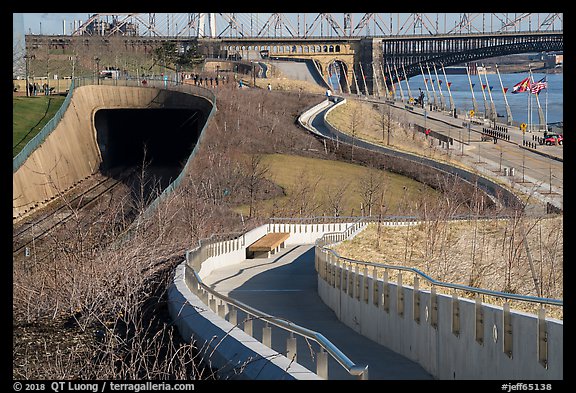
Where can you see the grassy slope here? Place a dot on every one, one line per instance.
(29, 115)
(297, 174)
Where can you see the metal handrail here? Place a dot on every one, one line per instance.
(327, 345)
(323, 242)
(353, 369)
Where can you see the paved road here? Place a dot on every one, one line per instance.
(537, 173)
(299, 70)
(285, 286)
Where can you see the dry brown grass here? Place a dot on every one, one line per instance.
(369, 118)
(488, 254)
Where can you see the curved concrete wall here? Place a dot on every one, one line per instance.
(358, 300)
(70, 153)
(405, 326)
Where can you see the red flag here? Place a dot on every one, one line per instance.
(483, 87)
(449, 83)
(522, 86)
(505, 90)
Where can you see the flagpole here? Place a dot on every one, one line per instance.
(474, 104)
(529, 98)
(483, 93)
(375, 81)
(392, 85)
(367, 93)
(355, 82)
(406, 79)
(442, 105)
(399, 83)
(348, 85)
(432, 84)
(546, 104)
(425, 82)
(385, 84)
(508, 111)
(541, 117)
(492, 105)
(449, 92)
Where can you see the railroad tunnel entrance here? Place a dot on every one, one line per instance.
(155, 142)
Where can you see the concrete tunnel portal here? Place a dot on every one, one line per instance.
(109, 129)
(161, 136)
(161, 139)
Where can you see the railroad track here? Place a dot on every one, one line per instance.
(35, 229)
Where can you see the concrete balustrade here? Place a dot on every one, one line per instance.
(450, 336)
(202, 317)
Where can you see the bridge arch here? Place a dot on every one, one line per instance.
(337, 71)
(450, 50)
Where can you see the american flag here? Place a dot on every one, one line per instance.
(537, 86)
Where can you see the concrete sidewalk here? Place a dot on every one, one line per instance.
(533, 180)
(285, 286)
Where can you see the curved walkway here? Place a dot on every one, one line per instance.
(285, 286)
(534, 180)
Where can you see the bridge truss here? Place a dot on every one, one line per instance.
(306, 25)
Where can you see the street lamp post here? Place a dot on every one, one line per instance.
(73, 65)
(97, 59)
(26, 57)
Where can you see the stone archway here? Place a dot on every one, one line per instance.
(337, 76)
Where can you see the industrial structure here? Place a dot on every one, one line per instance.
(364, 56)
(302, 25)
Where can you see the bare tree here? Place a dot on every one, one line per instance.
(356, 123)
(255, 172)
(385, 121)
(335, 199)
(370, 184)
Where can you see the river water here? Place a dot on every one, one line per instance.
(523, 106)
(551, 100)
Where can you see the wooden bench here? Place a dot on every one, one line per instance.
(267, 245)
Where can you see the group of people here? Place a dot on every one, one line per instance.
(34, 89)
(207, 80)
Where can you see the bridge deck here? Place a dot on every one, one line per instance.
(286, 286)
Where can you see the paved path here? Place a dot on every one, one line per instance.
(285, 286)
(536, 173)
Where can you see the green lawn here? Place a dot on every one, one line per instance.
(29, 115)
(311, 180)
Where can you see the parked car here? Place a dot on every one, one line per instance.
(553, 139)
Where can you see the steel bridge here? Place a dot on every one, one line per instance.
(377, 51)
(365, 64)
(306, 25)
(409, 53)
